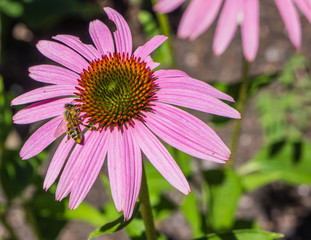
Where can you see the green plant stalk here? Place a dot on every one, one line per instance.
(145, 208)
(166, 30)
(243, 93)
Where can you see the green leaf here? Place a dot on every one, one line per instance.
(289, 161)
(225, 190)
(11, 8)
(192, 213)
(257, 180)
(15, 174)
(86, 213)
(243, 235)
(114, 226)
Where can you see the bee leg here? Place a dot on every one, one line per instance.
(87, 126)
(68, 137)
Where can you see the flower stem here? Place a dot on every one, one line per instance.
(166, 30)
(240, 107)
(145, 208)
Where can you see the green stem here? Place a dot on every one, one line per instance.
(240, 107)
(145, 208)
(166, 30)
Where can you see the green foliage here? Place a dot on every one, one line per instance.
(225, 190)
(5, 112)
(191, 210)
(243, 235)
(286, 161)
(285, 113)
(11, 8)
(163, 54)
(114, 226)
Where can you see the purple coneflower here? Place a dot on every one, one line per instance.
(127, 103)
(200, 14)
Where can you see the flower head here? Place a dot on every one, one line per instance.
(235, 12)
(123, 103)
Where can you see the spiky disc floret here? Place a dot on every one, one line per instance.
(114, 90)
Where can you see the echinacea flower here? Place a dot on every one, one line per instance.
(128, 104)
(200, 14)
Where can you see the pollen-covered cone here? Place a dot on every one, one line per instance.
(128, 106)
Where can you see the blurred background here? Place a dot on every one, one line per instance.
(269, 186)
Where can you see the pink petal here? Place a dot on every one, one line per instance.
(150, 63)
(57, 162)
(170, 74)
(226, 26)
(41, 110)
(125, 169)
(40, 139)
(165, 6)
(89, 169)
(72, 169)
(62, 55)
(305, 8)
(198, 11)
(101, 37)
(53, 74)
(122, 36)
(44, 93)
(159, 157)
(191, 84)
(196, 100)
(250, 29)
(117, 161)
(87, 51)
(145, 50)
(291, 20)
(133, 170)
(186, 133)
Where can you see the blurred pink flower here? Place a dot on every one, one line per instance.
(200, 14)
(128, 103)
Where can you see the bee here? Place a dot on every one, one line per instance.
(70, 123)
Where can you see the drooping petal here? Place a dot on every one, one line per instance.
(72, 169)
(227, 24)
(191, 84)
(133, 170)
(53, 74)
(117, 155)
(57, 162)
(44, 93)
(89, 169)
(165, 6)
(186, 133)
(196, 100)
(159, 157)
(291, 20)
(145, 50)
(62, 55)
(198, 17)
(101, 37)
(87, 51)
(122, 36)
(41, 110)
(40, 139)
(250, 29)
(305, 8)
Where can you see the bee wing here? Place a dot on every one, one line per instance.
(61, 128)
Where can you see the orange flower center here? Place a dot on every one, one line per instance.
(115, 90)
